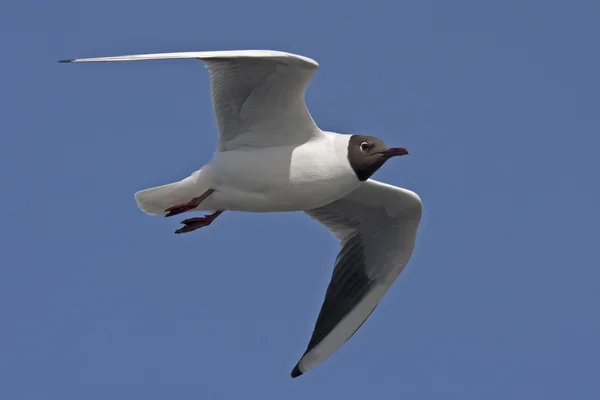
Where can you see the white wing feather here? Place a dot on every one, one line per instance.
(377, 226)
(258, 95)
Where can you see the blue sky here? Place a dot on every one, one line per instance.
(497, 103)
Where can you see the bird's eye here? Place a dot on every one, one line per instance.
(364, 146)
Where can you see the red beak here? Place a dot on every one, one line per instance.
(395, 151)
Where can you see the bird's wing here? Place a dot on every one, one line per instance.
(377, 226)
(258, 95)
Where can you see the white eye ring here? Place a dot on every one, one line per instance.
(364, 146)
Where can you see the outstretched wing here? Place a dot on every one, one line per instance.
(377, 226)
(258, 95)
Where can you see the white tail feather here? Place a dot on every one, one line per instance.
(156, 200)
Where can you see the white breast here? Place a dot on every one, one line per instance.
(283, 178)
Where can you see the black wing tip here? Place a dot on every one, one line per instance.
(66, 60)
(296, 372)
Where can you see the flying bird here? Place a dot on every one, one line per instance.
(272, 157)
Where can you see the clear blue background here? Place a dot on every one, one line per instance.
(498, 103)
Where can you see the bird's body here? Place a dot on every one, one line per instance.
(272, 157)
(269, 179)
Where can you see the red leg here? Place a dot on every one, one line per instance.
(190, 205)
(191, 224)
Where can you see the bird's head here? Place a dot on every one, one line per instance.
(367, 154)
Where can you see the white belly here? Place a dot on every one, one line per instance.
(282, 178)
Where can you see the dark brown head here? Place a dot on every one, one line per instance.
(367, 154)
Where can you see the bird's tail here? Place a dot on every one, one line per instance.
(156, 200)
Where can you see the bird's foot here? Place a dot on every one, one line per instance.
(191, 224)
(188, 206)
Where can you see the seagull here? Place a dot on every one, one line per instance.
(272, 157)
